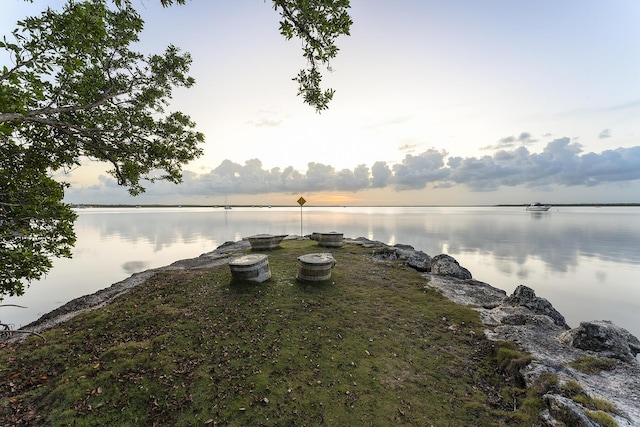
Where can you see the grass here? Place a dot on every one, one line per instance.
(372, 346)
(602, 418)
(597, 409)
(592, 365)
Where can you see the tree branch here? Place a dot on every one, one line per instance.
(32, 116)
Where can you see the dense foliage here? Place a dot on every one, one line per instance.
(75, 90)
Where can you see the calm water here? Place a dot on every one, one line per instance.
(586, 261)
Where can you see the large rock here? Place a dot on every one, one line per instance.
(445, 265)
(419, 261)
(605, 338)
(567, 412)
(413, 258)
(526, 297)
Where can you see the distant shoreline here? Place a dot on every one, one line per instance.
(94, 205)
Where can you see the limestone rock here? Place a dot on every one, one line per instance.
(386, 253)
(538, 335)
(414, 259)
(403, 246)
(419, 261)
(605, 338)
(365, 243)
(526, 297)
(446, 265)
(567, 411)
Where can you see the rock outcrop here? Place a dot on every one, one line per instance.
(526, 297)
(604, 338)
(419, 260)
(445, 265)
(413, 258)
(533, 324)
(565, 410)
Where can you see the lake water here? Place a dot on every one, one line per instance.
(585, 260)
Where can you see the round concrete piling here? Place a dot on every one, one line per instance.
(315, 267)
(252, 267)
(261, 242)
(330, 240)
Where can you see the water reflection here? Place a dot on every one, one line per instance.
(510, 237)
(569, 256)
(131, 267)
(537, 215)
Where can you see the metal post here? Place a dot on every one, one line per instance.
(301, 201)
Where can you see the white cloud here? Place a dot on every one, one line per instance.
(562, 163)
(606, 133)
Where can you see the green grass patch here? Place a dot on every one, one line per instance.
(575, 392)
(595, 403)
(592, 365)
(368, 347)
(572, 388)
(512, 361)
(602, 418)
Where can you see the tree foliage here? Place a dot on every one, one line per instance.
(74, 89)
(317, 24)
(34, 224)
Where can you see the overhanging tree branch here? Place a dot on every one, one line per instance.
(76, 89)
(317, 24)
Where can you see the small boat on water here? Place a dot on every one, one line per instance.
(538, 207)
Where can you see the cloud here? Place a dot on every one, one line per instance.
(415, 172)
(606, 133)
(265, 119)
(264, 122)
(562, 162)
(380, 175)
(518, 167)
(358, 179)
(408, 147)
(320, 177)
(524, 138)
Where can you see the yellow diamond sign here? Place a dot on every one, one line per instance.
(301, 201)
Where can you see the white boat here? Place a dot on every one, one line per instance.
(538, 207)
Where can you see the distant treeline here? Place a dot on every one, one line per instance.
(340, 206)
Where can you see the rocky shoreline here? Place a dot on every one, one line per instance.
(539, 329)
(529, 321)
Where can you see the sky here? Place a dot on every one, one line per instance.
(458, 102)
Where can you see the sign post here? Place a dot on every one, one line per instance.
(301, 201)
